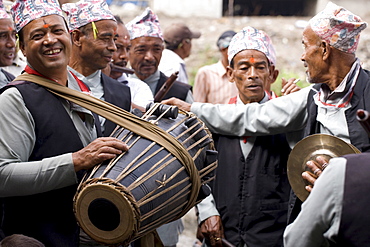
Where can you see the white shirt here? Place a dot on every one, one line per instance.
(170, 63)
(141, 94)
(93, 81)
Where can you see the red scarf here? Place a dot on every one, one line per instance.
(233, 101)
(82, 85)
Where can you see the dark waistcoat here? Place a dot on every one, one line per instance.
(355, 219)
(46, 216)
(252, 194)
(178, 90)
(116, 93)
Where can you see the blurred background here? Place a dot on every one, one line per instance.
(282, 20)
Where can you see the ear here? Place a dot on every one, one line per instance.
(326, 49)
(21, 47)
(230, 73)
(76, 37)
(274, 73)
(181, 44)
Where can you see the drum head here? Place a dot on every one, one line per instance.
(106, 212)
(308, 149)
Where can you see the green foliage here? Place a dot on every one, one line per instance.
(207, 55)
(276, 86)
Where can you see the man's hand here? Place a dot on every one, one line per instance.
(316, 167)
(177, 102)
(97, 151)
(212, 230)
(289, 86)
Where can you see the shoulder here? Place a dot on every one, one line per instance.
(10, 98)
(209, 68)
(8, 75)
(113, 82)
(182, 85)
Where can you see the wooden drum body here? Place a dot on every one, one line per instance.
(146, 187)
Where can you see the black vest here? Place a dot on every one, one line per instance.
(46, 216)
(252, 194)
(116, 93)
(355, 220)
(357, 134)
(178, 90)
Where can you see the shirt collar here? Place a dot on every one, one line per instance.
(264, 99)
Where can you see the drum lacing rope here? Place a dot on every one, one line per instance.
(128, 121)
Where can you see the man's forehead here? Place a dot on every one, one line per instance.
(6, 25)
(122, 30)
(248, 53)
(309, 35)
(147, 41)
(50, 20)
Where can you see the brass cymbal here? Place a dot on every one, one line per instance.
(308, 149)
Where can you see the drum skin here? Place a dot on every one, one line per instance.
(146, 187)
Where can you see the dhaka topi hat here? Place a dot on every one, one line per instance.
(225, 38)
(339, 27)
(3, 13)
(145, 25)
(25, 11)
(250, 38)
(84, 12)
(270, 47)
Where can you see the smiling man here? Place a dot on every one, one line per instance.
(7, 45)
(46, 142)
(94, 29)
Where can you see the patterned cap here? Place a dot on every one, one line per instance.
(25, 11)
(270, 47)
(339, 27)
(3, 13)
(251, 38)
(145, 25)
(86, 11)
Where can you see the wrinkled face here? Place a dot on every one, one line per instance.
(7, 42)
(97, 52)
(312, 55)
(250, 74)
(123, 44)
(46, 44)
(145, 55)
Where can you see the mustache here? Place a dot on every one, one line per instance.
(121, 63)
(146, 63)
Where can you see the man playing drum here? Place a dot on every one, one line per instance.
(46, 141)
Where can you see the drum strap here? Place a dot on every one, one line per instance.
(127, 120)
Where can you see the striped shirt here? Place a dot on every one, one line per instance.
(212, 85)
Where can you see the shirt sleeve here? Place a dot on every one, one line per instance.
(189, 97)
(17, 139)
(318, 222)
(141, 93)
(280, 115)
(206, 208)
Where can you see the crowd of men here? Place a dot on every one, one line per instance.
(48, 142)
